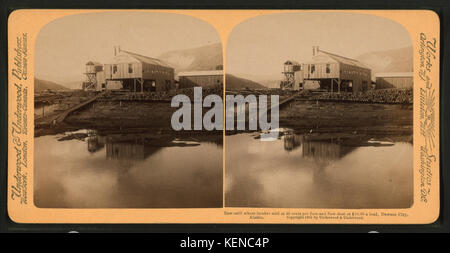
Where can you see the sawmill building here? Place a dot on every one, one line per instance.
(138, 73)
(328, 71)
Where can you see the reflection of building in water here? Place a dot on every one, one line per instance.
(94, 143)
(330, 149)
(292, 141)
(134, 149)
(129, 150)
(322, 154)
(324, 150)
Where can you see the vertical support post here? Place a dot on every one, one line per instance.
(339, 85)
(142, 86)
(134, 80)
(332, 85)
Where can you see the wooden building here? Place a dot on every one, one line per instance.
(333, 73)
(206, 78)
(399, 80)
(138, 73)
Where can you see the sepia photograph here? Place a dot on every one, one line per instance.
(103, 88)
(343, 84)
(214, 116)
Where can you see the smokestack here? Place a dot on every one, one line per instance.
(315, 50)
(115, 50)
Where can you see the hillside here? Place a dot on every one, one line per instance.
(237, 83)
(395, 60)
(200, 58)
(75, 85)
(41, 85)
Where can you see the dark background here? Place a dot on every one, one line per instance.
(441, 7)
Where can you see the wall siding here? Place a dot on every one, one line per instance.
(203, 81)
(163, 76)
(320, 70)
(394, 82)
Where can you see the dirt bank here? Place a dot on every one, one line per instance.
(124, 117)
(320, 116)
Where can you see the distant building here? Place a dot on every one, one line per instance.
(327, 71)
(206, 78)
(399, 80)
(137, 73)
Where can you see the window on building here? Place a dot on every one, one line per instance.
(130, 68)
(313, 68)
(328, 69)
(115, 69)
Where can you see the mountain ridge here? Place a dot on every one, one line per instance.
(41, 85)
(392, 60)
(233, 82)
(200, 58)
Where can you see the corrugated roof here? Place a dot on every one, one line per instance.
(344, 60)
(395, 74)
(202, 73)
(146, 59)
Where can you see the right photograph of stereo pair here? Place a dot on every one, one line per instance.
(319, 112)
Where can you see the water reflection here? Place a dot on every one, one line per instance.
(86, 169)
(319, 171)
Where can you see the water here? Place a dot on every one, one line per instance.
(88, 170)
(318, 171)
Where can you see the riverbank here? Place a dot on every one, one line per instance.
(306, 113)
(324, 116)
(123, 117)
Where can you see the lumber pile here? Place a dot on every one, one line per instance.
(394, 96)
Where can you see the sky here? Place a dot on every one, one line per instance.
(65, 45)
(258, 47)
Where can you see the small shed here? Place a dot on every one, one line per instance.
(205, 78)
(399, 80)
(291, 71)
(93, 67)
(139, 73)
(92, 75)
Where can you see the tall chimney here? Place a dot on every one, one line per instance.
(115, 50)
(314, 50)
